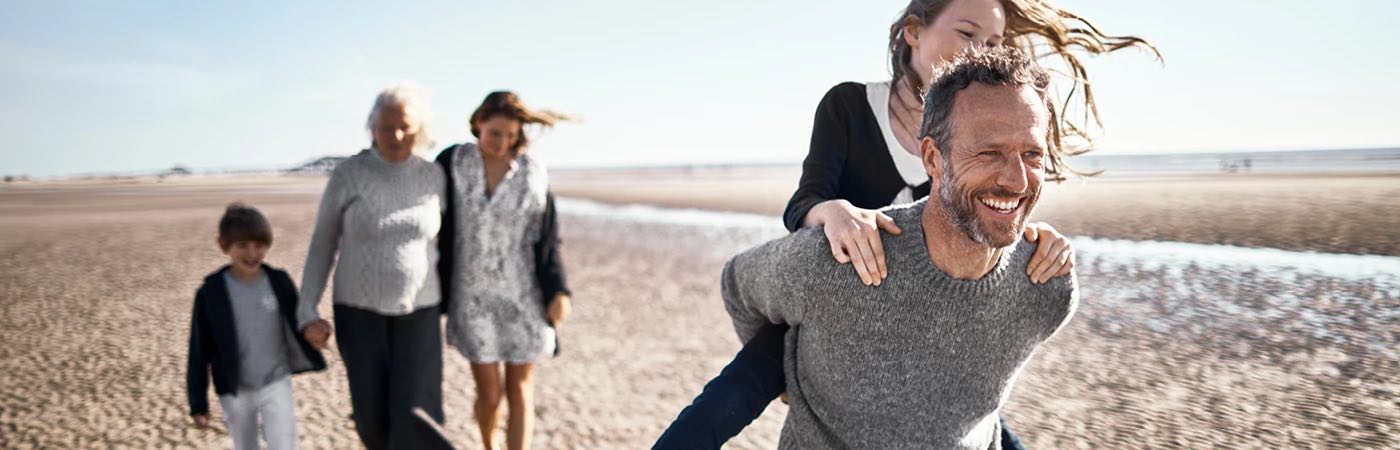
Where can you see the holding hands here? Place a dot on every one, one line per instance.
(317, 333)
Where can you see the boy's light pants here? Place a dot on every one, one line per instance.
(274, 404)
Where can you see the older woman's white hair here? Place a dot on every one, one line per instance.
(414, 101)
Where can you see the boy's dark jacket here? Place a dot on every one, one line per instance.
(214, 342)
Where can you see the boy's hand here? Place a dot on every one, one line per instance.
(559, 310)
(317, 333)
(201, 421)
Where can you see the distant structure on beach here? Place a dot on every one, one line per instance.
(178, 170)
(319, 166)
(1230, 165)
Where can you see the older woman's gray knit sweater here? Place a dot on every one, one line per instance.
(922, 361)
(382, 218)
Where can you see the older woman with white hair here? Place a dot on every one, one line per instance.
(381, 211)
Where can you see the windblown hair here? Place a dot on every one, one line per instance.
(507, 104)
(243, 223)
(1032, 25)
(414, 100)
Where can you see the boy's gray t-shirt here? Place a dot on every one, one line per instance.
(262, 344)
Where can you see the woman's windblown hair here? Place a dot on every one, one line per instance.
(1049, 35)
(507, 104)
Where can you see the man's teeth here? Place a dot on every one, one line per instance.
(1004, 205)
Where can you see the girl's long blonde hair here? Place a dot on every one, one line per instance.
(1041, 30)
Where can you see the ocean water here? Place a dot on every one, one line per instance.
(1354, 160)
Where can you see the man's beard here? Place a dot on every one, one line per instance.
(962, 211)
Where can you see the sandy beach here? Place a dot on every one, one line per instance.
(1285, 338)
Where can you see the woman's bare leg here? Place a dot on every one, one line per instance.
(520, 394)
(488, 400)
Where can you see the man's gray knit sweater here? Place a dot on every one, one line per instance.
(382, 219)
(922, 361)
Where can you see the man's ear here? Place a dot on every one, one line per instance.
(932, 157)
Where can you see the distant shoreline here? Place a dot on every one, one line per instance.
(1348, 212)
(1326, 212)
(1371, 159)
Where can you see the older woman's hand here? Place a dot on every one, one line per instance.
(317, 333)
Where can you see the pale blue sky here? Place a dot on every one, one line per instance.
(98, 86)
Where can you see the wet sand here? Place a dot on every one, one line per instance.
(99, 278)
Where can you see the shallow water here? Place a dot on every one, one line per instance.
(1322, 296)
(1245, 340)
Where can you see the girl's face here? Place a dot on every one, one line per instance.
(498, 136)
(395, 133)
(963, 24)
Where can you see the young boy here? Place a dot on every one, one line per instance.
(243, 332)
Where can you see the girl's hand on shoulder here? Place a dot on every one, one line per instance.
(201, 421)
(854, 235)
(559, 309)
(1053, 257)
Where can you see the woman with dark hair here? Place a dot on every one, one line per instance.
(864, 156)
(506, 292)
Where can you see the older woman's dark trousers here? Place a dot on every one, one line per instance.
(394, 364)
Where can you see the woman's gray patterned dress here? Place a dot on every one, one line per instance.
(497, 315)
